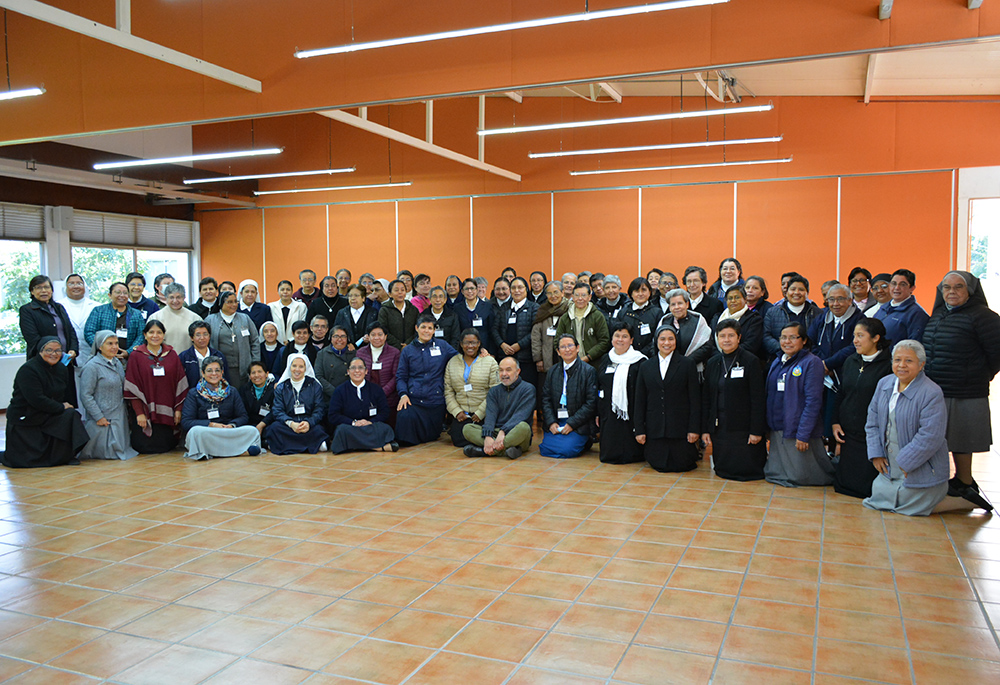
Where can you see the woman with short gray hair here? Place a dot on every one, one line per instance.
(215, 419)
(906, 435)
(175, 317)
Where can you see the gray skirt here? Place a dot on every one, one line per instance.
(787, 466)
(969, 428)
(203, 442)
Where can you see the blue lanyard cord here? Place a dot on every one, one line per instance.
(562, 400)
(468, 369)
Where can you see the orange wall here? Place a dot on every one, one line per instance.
(886, 222)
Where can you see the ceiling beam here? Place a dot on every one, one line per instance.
(870, 78)
(412, 141)
(123, 15)
(515, 95)
(884, 9)
(124, 39)
(975, 4)
(46, 173)
(612, 91)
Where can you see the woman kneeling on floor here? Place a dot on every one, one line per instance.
(214, 418)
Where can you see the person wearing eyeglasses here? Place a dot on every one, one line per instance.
(832, 333)
(332, 362)
(730, 276)
(696, 282)
(587, 324)
(569, 402)
(797, 456)
(860, 281)
(902, 317)
(880, 291)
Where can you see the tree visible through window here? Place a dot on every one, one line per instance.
(20, 261)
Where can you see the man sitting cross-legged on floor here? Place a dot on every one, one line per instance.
(506, 429)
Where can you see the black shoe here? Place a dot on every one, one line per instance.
(473, 451)
(970, 494)
(513, 452)
(394, 446)
(956, 487)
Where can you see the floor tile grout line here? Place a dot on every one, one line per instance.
(972, 584)
(899, 599)
(739, 591)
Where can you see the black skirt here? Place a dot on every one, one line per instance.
(854, 473)
(735, 459)
(618, 445)
(163, 439)
(669, 455)
(348, 438)
(56, 442)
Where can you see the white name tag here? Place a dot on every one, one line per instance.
(563, 414)
(372, 411)
(550, 331)
(438, 333)
(610, 369)
(467, 387)
(376, 366)
(299, 409)
(121, 332)
(435, 351)
(213, 413)
(736, 372)
(477, 322)
(512, 319)
(245, 333)
(264, 411)
(159, 371)
(781, 386)
(600, 394)
(644, 329)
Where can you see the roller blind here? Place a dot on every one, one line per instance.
(22, 222)
(103, 228)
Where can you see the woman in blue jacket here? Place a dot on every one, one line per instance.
(420, 383)
(906, 431)
(299, 409)
(214, 418)
(795, 414)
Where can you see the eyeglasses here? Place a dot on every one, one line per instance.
(837, 299)
(339, 337)
(858, 281)
(567, 347)
(789, 338)
(881, 286)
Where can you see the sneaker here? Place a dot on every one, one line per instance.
(253, 450)
(513, 452)
(473, 451)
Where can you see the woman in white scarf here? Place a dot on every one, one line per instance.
(616, 381)
(299, 410)
(693, 332)
(751, 323)
(78, 307)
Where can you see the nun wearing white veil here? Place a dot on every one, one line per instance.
(251, 305)
(299, 410)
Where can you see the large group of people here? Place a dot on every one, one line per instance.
(861, 389)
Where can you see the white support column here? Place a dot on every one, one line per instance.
(58, 258)
(472, 246)
(430, 122)
(870, 77)
(640, 230)
(482, 126)
(123, 15)
(734, 219)
(839, 181)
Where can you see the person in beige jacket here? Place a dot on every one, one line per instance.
(468, 377)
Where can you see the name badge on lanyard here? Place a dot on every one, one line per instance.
(512, 319)
(477, 323)
(736, 372)
(264, 410)
(562, 413)
(121, 332)
(245, 333)
(438, 333)
(781, 384)
(435, 351)
(372, 411)
(213, 413)
(611, 368)
(376, 366)
(299, 408)
(644, 329)
(159, 371)
(550, 331)
(467, 387)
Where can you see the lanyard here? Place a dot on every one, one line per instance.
(468, 369)
(563, 400)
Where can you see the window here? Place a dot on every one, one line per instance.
(984, 246)
(102, 266)
(20, 261)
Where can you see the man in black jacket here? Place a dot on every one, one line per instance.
(506, 429)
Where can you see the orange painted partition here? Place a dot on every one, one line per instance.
(898, 222)
(363, 239)
(685, 225)
(528, 217)
(294, 239)
(597, 231)
(434, 237)
(232, 249)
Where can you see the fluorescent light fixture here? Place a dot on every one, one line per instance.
(286, 174)
(748, 162)
(513, 26)
(319, 190)
(22, 93)
(629, 120)
(642, 148)
(188, 158)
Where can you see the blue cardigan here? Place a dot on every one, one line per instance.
(797, 411)
(346, 407)
(420, 375)
(311, 397)
(196, 408)
(921, 424)
(905, 322)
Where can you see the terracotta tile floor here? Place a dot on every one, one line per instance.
(427, 567)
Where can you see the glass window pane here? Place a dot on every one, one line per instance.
(100, 267)
(152, 263)
(20, 261)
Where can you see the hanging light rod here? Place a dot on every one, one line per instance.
(748, 162)
(629, 120)
(643, 148)
(250, 177)
(318, 190)
(513, 26)
(22, 93)
(189, 158)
